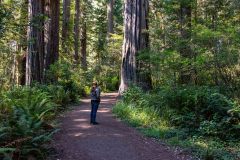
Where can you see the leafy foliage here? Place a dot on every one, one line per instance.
(64, 78)
(191, 107)
(180, 114)
(26, 116)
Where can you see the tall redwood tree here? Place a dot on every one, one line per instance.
(76, 31)
(83, 39)
(185, 36)
(35, 51)
(52, 33)
(136, 40)
(66, 24)
(110, 16)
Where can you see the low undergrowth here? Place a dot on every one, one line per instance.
(200, 120)
(27, 114)
(27, 119)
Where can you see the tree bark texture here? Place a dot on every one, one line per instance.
(185, 33)
(66, 24)
(83, 42)
(35, 51)
(76, 31)
(14, 75)
(136, 39)
(23, 42)
(110, 17)
(52, 33)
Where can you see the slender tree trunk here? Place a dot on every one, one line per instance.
(76, 31)
(23, 42)
(35, 55)
(136, 39)
(84, 43)
(23, 70)
(65, 24)
(14, 70)
(185, 32)
(46, 28)
(52, 33)
(110, 17)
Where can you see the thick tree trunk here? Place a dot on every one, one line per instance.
(76, 31)
(65, 24)
(110, 17)
(136, 39)
(35, 55)
(52, 33)
(84, 43)
(185, 32)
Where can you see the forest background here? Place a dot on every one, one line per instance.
(183, 87)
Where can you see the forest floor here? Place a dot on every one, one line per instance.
(110, 140)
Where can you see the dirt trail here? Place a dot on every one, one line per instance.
(111, 140)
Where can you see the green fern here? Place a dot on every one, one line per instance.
(28, 111)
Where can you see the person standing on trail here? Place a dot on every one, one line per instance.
(95, 101)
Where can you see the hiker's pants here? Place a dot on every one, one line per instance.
(94, 104)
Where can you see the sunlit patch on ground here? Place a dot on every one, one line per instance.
(83, 126)
(104, 110)
(85, 110)
(80, 120)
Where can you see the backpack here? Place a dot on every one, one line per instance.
(93, 93)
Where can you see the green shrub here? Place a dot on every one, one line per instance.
(208, 128)
(132, 95)
(57, 94)
(73, 90)
(199, 119)
(62, 74)
(26, 126)
(110, 82)
(200, 109)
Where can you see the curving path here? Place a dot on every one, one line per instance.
(111, 140)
